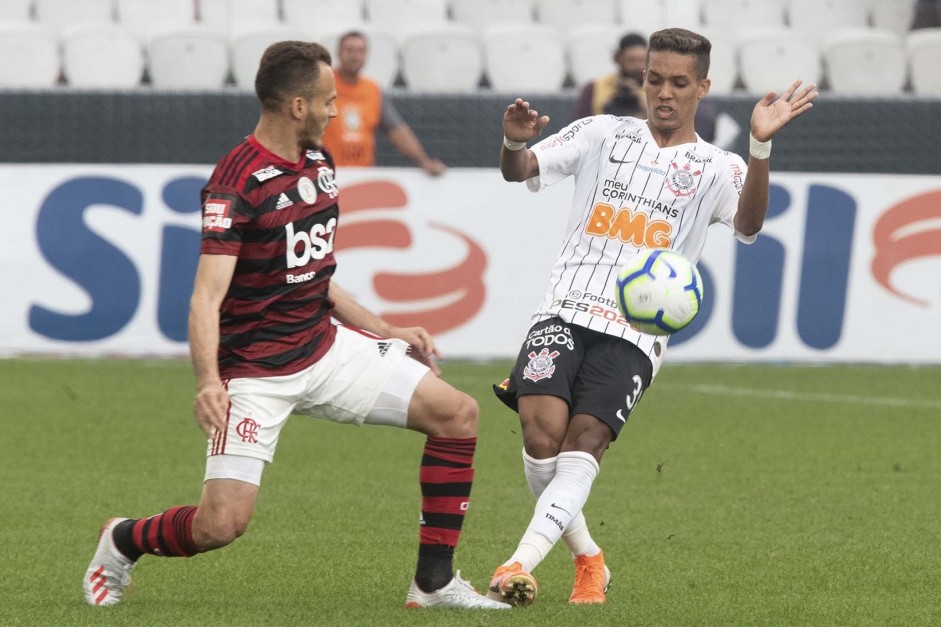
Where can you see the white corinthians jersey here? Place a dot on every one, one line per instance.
(629, 195)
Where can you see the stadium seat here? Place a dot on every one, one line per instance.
(193, 57)
(145, 17)
(772, 59)
(647, 16)
(16, 10)
(520, 59)
(308, 14)
(480, 14)
(247, 45)
(101, 56)
(590, 49)
(382, 56)
(389, 14)
(893, 15)
(230, 15)
(736, 16)
(564, 14)
(816, 19)
(865, 62)
(923, 48)
(447, 60)
(36, 49)
(64, 13)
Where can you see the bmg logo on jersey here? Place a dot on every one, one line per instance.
(302, 246)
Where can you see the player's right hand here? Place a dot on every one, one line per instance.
(210, 407)
(520, 123)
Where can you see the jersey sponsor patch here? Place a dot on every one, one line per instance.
(266, 173)
(216, 215)
(315, 155)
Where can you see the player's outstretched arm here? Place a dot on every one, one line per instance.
(520, 125)
(769, 116)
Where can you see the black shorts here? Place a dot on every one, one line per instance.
(595, 373)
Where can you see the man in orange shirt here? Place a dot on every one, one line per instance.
(362, 109)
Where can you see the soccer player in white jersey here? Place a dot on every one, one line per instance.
(582, 368)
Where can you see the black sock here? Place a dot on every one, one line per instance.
(435, 568)
(124, 541)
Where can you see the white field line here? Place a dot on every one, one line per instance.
(788, 395)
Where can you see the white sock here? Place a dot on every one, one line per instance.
(561, 501)
(539, 472)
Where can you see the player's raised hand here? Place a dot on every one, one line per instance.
(421, 345)
(520, 123)
(770, 114)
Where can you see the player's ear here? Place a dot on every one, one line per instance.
(298, 107)
(704, 86)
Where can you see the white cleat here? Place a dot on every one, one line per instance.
(109, 573)
(458, 593)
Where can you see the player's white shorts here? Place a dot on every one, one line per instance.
(361, 379)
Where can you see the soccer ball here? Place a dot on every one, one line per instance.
(659, 291)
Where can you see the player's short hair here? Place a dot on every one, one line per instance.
(631, 40)
(684, 42)
(288, 69)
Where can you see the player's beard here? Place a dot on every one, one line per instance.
(312, 137)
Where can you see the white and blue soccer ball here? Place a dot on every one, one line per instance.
(659, 291)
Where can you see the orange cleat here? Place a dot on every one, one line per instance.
(592, 580)
(511, 584)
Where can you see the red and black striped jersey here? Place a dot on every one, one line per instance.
(279, 219)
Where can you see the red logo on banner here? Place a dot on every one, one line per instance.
(463, 282)
(905, 232)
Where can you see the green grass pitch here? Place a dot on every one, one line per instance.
(736, 495)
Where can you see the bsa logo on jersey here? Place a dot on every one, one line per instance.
(216, 215)
(682, 181)
(307, 190)
(326, 182)
(540, 365)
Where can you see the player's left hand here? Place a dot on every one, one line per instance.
(421, 345)
(770, 114)
(434, 167)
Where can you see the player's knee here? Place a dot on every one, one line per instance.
(466, 416)
(539, 444)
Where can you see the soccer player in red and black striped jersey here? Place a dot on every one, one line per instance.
(264, 345)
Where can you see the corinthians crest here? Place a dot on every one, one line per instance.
(682, 181)
(540, 365)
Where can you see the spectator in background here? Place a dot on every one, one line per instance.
(927, 14)
(622, 93)
(362, 109)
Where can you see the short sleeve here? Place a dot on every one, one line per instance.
(729, 190)
(224, 215)
(560, 155)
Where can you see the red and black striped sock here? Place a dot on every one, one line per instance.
(446, 479)
(169, 534)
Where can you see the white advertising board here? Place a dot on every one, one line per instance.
(99, 260)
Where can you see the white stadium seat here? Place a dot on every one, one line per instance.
(590, 49)
(308, 14)
(893, 15)
(865, 62)
(723, 65)
(736, 16)
(521, 59)
(146, 16)
(101, 56)
(64, 13)
(480, 14)
(382, 55)
(15, 10)
(247, 45)
(36, 49)
(772, 59)
(816, 19)
(647, 16)
(447, 60)
(230, 15)
(923, 47)
(193, 57)
(564, 14)
(391, 14)
(683, 13)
